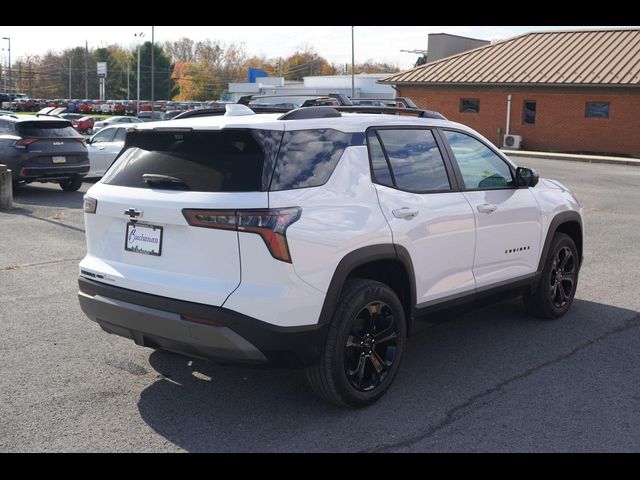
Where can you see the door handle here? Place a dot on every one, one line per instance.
(487, 208)
(101, 148)
(405, 212)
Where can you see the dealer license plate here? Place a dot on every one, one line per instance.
(144, 238)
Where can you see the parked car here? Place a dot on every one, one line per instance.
(85, 124)
(8, 113)
(145, 116)
(170, 114)
(43, 149)
(104, 147)
(114, 121)
(316, 237)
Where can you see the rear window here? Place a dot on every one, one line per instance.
(47, 129)
(221, 161)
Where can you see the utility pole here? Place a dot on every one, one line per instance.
(128, 68)
(30, 81)
(9, 40)
(153, 74)
(86, 69)
(353, 63)
(139, 40)
(69, 77)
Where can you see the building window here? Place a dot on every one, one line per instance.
(529, 113)
(597, 110)
(469, 105)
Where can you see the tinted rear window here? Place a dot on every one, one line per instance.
(224, 161)
(47, 129)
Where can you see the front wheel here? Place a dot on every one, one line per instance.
(365, 344)
(89, 131)
(71, 184)
(555, 291)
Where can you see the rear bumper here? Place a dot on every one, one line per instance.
(159, 322)
(51, 173)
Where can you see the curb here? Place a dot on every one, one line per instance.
(575, 158)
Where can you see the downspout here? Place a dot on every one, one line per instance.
(508, 113)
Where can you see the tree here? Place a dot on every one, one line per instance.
(165, 86)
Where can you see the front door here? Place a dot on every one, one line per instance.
(508, 221)
(427, 216)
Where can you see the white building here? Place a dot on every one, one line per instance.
(366, 86)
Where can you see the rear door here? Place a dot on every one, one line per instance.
(507, 217)
(140, 239)
(427, 215)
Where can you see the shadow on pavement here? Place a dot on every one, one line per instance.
(200, 406)
(33, 194)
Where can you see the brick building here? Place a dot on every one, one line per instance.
(571, 91)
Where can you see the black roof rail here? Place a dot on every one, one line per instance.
(311, 112)
(397, 110)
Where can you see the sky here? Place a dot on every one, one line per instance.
(380, 43)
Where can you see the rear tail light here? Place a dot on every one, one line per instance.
(270, 224)
(79, 139)
(90, 204)
(23, 143)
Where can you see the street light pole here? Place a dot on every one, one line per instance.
(9, 40)
(353, 63)
(138, 36)
(153, 76)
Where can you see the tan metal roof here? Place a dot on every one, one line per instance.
(576, 57)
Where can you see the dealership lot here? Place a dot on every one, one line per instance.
(489, 380)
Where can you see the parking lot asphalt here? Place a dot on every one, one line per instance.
(492, 379)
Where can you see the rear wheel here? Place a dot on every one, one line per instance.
(89, 131)
(71, 184)
(556, 288)
(364, 347)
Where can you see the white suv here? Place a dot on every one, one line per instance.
(315, 238)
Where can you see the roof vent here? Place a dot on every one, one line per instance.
(311, 112)
(237, 110)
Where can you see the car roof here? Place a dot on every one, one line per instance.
(33, 118)
(347, 122)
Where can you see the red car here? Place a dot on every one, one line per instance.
(85, 124)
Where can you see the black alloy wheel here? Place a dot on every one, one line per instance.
(371, 346)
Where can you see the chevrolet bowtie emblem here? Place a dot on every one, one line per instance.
(133, 213)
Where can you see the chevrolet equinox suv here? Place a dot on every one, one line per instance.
(314, 238)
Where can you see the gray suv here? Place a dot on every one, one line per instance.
(38, 149)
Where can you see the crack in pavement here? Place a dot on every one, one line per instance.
(452, 415)
(19, 266)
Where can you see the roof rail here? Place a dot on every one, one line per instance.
(397, 110)
(311, 112)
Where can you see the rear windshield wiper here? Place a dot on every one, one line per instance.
(164, 181)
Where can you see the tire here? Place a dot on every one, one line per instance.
(89, 131)
(357, 365)
(71, 184)
(556, 289)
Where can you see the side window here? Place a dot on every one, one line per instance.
(381, 173)
(597, 110)
(469, 105)
(529, 113)
(308, 157)
(120, 135)
(481, 168)
(104, 136)
(415, 160)
(7, 128)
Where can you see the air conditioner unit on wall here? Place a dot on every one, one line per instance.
(512, 142)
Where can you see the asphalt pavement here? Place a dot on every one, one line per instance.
(492, 379)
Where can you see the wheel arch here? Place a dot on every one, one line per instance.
(569, 222)
(386, 263)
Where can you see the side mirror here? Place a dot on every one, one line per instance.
(526, 177)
